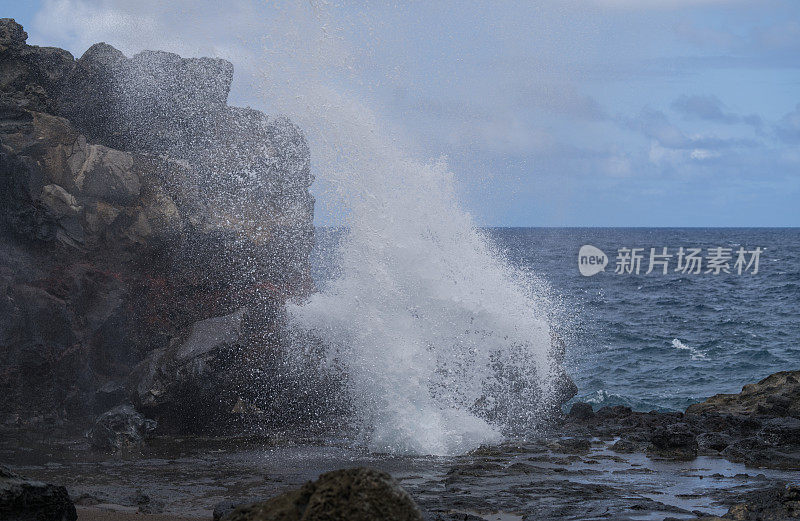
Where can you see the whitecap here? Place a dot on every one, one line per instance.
(695, 354)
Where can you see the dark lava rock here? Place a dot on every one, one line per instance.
(675, 441)
(775, 503)
(776, 395)
(23, 500)
(121, 428)
(753, 451)
(187, 380)
(713, 441)
(358, 494)
(572, 446)
(134, 204)
(780, 431)
(760, 426)
(624, 446)
(581, 411)
(148, 505)
(223, 508)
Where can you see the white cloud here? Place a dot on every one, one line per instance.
(700, 154)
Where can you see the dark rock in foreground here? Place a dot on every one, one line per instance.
(359, 494)
(775, 503)
(24, 500)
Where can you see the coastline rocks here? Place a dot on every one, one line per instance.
(134, 203)
(776, 395)
(191, 384)
(24, 500)
(675, 442)
(581, 411)
(120, 429)
(758, 427)
(358, 494)
(774, 503)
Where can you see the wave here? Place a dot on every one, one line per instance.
(695, 354)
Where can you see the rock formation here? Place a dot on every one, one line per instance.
(120, 429)
(358, 494)
(25, 500)
(135, 205)
(776, 395)
(759, 426)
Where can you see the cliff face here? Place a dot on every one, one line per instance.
(135, 204)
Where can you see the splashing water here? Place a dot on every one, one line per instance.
(444, 345)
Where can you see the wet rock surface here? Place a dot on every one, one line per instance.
(26, 500)
(533, 479)
(773, 503)
(136, 205)
(358, 494)
(612, 463)
(120, 428)
(759, 426)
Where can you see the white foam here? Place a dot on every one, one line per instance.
(695, 354)
(443, 343)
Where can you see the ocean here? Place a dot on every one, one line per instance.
(656, 341)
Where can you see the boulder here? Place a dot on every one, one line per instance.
(358, 494)
(120, 429)
(675, 442)
(25, 500)
(758, 427)
(581, 411)
(186, 385)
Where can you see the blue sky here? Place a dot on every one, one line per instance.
(575, 113)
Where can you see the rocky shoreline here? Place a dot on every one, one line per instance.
(150, 235)
(143, 332)
(759, 426)
(730, 457)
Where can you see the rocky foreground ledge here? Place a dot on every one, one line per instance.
(607, 464)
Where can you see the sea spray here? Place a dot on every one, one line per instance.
(442, 344)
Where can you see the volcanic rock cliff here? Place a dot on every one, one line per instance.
(135, 207)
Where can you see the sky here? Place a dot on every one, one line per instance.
(549, 113)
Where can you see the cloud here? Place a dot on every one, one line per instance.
(617, 166)
(788, 128)
(781, 36)
(527, 89)
(656, 125)
(709, 108)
